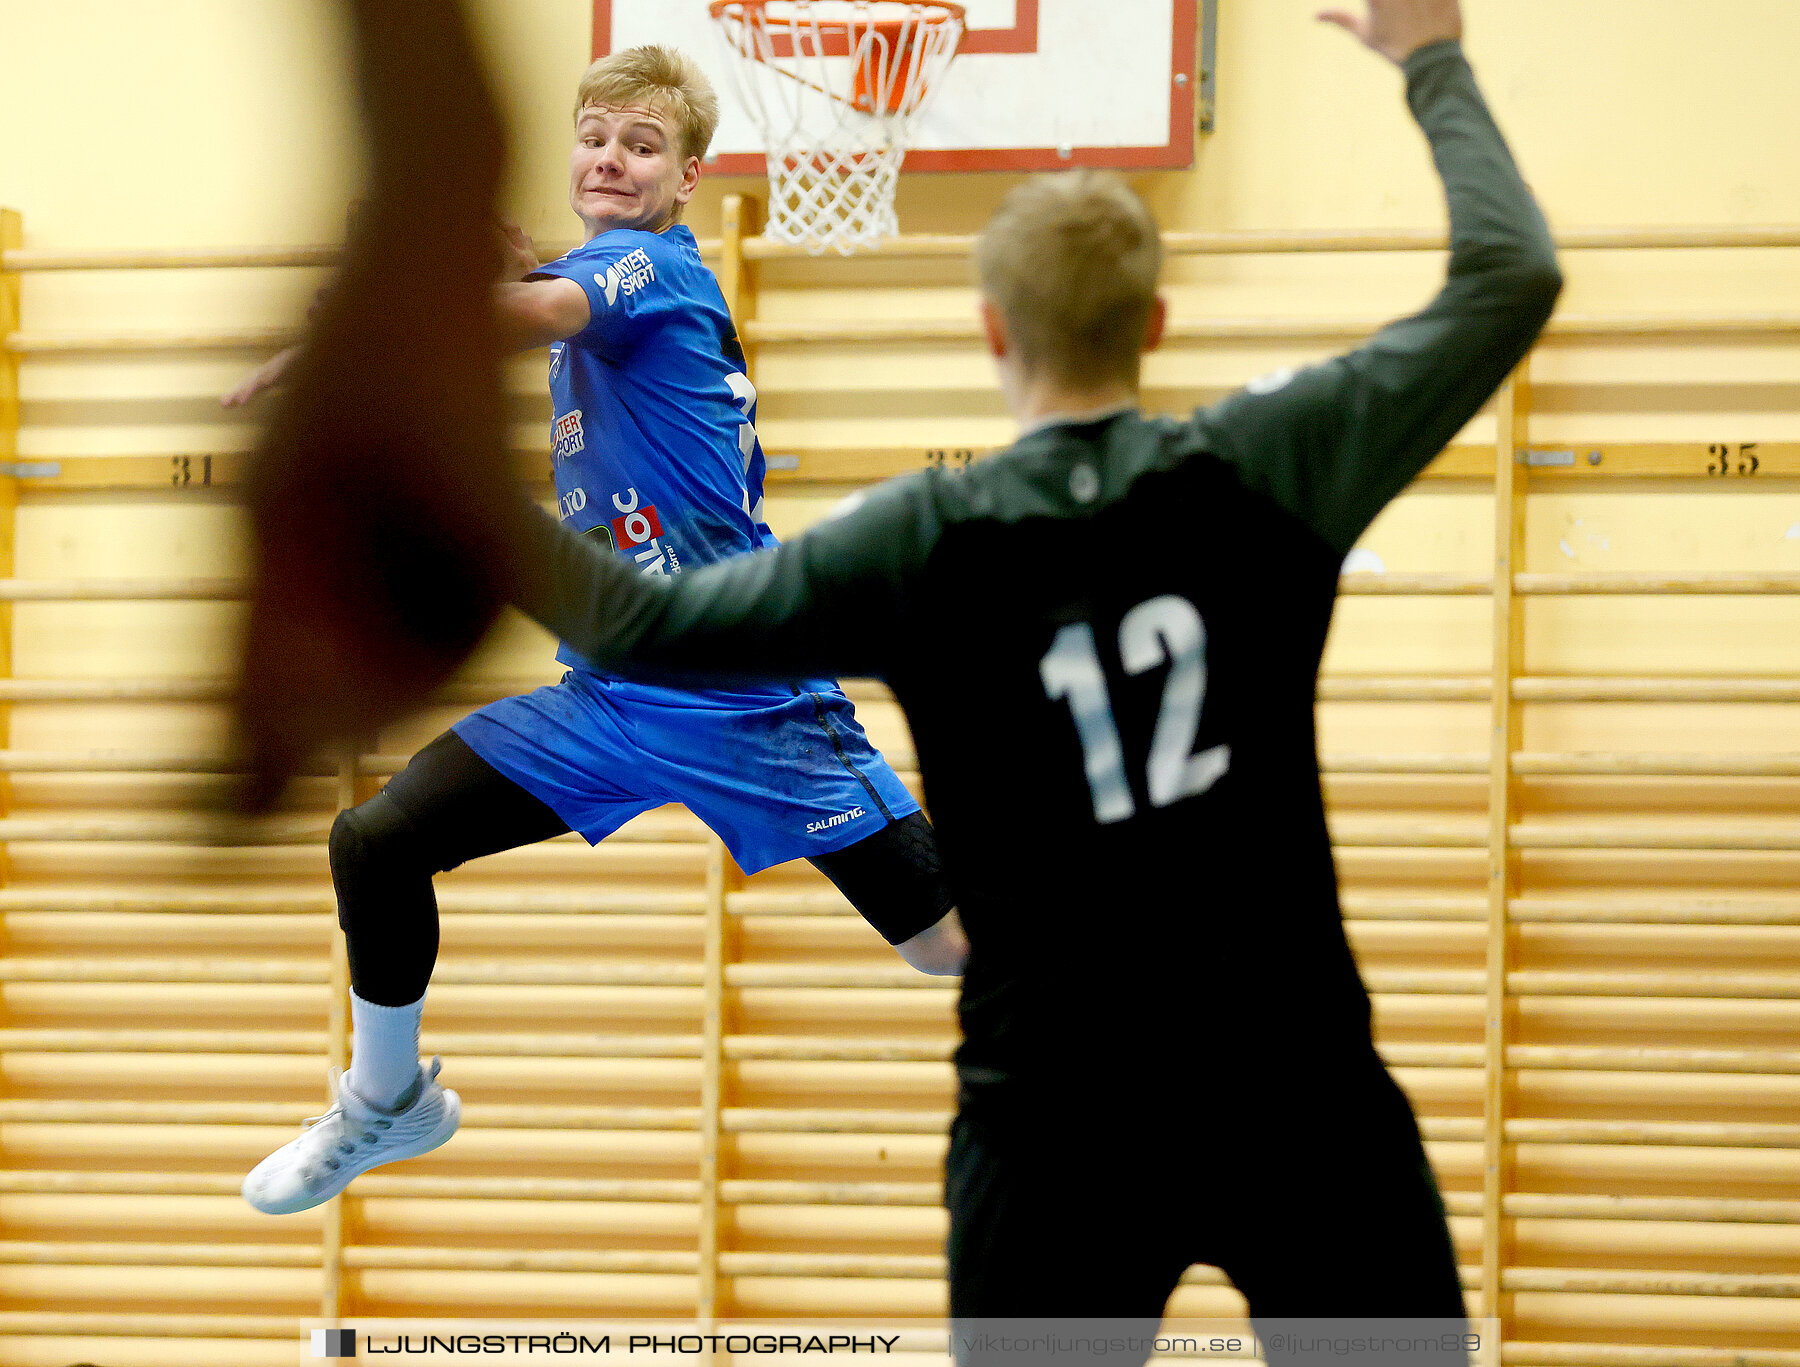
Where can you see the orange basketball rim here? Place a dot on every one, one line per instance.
(849, 77)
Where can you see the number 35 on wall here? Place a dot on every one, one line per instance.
(1732, 458)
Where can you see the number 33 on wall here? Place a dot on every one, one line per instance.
(1165, 628)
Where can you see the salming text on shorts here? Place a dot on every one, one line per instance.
(787, 780)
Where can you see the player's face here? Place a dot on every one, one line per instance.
(627, 171)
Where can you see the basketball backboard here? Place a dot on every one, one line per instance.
(1038, 85)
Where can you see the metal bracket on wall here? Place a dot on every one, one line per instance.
(1204, 107)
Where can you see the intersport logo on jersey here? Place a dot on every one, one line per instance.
(627, 276)
(566, 437)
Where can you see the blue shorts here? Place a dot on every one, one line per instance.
(777, 776)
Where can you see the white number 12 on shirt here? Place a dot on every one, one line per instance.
(1165, 628)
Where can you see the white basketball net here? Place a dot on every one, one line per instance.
(835, 86)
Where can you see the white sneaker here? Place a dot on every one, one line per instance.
(351, 1138)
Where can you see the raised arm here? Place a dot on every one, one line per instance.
(531, 314)
(1334, 442)
(534, 312)
(266, 376)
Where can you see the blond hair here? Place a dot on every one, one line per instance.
(1071, 262)
(661, 79)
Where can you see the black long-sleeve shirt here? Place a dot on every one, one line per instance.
(1107, 641)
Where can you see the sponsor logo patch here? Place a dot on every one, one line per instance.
(637, 526)
(627, 276)
(566, 436)
(1273, 381)
(637, 530)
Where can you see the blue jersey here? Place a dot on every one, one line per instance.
(653, 443)
(655, 454)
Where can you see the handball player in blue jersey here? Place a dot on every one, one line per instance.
(655, 456)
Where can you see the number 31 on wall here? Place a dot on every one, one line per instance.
(1166, 628)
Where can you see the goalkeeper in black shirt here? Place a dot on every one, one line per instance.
(1167, 1054)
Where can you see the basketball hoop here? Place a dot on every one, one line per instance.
(835, 86)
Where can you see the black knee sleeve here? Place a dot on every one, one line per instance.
(894, 878)
(386, 906)
(446, 807)
(372, 848)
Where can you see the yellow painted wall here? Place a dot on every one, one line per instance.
(223, 121)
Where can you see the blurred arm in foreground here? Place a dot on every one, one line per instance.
(380, 499)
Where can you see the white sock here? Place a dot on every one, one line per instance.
(384, 1050)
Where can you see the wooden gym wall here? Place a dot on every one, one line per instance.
(1566, 816)
(692, 1094)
